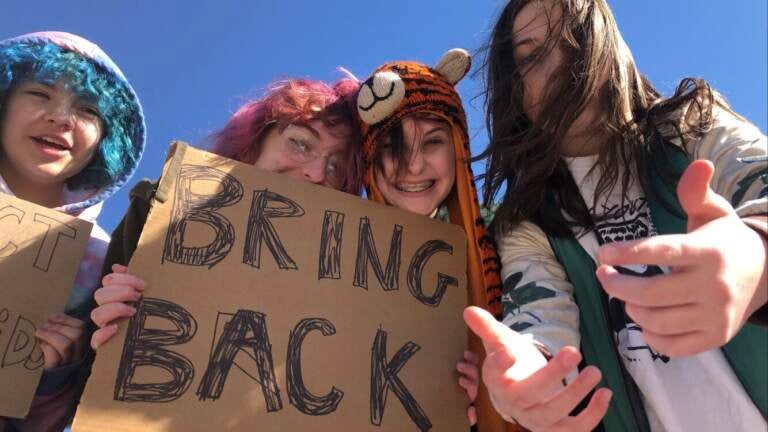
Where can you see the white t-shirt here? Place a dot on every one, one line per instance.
(698, 393)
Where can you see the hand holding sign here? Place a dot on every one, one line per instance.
(119, 288)
(40, 251)
(469, 380)
(521, 389)
(61, 340)
(714, 286)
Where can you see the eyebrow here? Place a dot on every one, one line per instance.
(526, 41)
(312, 130)
(440, 126)
(40, 84)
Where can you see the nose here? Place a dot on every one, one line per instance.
(314, 171)
(416, 161)
(61, 115)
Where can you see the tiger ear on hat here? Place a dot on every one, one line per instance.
(454, 65)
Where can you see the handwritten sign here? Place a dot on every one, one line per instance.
(276, 305)
(40, 252)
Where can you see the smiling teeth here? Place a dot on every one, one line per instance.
(51, 143)
(415, 187)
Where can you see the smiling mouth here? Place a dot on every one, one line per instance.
(50, 143)
(414, 187)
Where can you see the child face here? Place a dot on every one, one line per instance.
(48, 134)
(428, 176)
(530, 30)
(311, 152)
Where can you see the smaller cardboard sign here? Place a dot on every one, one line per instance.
(40, 253)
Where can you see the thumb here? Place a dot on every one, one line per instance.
(699, 202)
(486, 327)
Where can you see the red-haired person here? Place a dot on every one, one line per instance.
(303, 128)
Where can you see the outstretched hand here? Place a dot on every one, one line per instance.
(717, 278)
(531, 401)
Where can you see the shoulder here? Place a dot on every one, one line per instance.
(705, 119)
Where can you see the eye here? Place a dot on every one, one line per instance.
(38, 93)
(89, 111)
(334, 174)
(299, 145)
(331, 169)
(434, 142)
(384, 144)
(529, 59)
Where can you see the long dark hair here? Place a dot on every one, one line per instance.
(527, 155)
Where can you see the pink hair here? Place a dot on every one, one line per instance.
(295, 101)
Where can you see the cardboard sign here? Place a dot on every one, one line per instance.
(278, 305)
(40, 253)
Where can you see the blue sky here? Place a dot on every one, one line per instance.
(194, 62)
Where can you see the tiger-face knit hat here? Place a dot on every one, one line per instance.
(399, 89)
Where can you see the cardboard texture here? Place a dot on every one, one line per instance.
(277, 305)
(40, 253)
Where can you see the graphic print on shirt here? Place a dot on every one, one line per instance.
(624, 222)
(514, 298)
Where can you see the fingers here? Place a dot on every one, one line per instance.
(61, 339)
(538, 387)
(540, 402)
(115, 294)
(67, 320)
(71, 333)
(472, 415)
(592, 415)
(109, 312)
(471, 357)
(119, 288)
(469, 371)
(102, 335)
(667, 320)
(124, 279)
(679, 345)
(486, 327)
(119, 268)
(495, 367)
(673, 250)
(469, 378)
(656, 291)
(62, 345)
(561, 405)
(51, 357)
